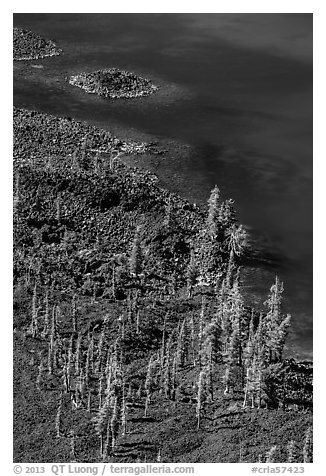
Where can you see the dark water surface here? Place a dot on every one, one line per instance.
(235, 87)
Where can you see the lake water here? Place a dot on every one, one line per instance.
(237, 88)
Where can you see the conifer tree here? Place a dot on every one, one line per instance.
(65, 377)
(46, 314)
(106, 452)
(74, 160)
(226, 378)
(201, 329)
(236, 309)
(115, 394)
(292, 452)
(308, 446)
(89, 360)
(271, 455)
(130, 393)
(50, 358)
(150, 382)
(213, 211)
(182, 345)
(77, 353)
(163, 339)
(274, 299)
(108, 365)
(211, 351)
(253, 364)
(207, 245)
(95, 286)
(100, 389)
(58, 418)
(72, 447)
(139, 392)
(174, 377)
(114, 423)
(253, 386)
(138, 322)
(260, 343)
(57, 353)
(80, 388)
(158, 364)
(35, 310)
(173, 284)
(226, 214)
(276, 325)
(136, 254)
(201, 394)
(212, 345)
(223, 312)
(100, 352)
(247, 386)
(191, 274)
(167, 369)
(162, 355)
(232, 358)
(130, 314)
(236, 240)
(123, 412)
(208, 258)
(70, 360)
(281, 335)
(40, 374)
(101, 421)
(54, 341)
(74, 314)
(58, 208)
(66, 371)
(54, 326)
(167, 382)
(110, 369)
(102, 347)
(192, 339)
(250, 347)
(113, 281)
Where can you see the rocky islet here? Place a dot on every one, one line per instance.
(113, 83)
(30, 46)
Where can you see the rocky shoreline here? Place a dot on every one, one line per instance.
(44, 133)
(30, 46)
(113, 83)
(65, 147)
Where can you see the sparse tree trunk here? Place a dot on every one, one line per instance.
(113, 281)
(50, 359)
(89, 401)
(74, 314)
(58, 419)
(40, 375)
(46, 315)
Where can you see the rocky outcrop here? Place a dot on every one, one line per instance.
(113, 83)
(29, 46)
